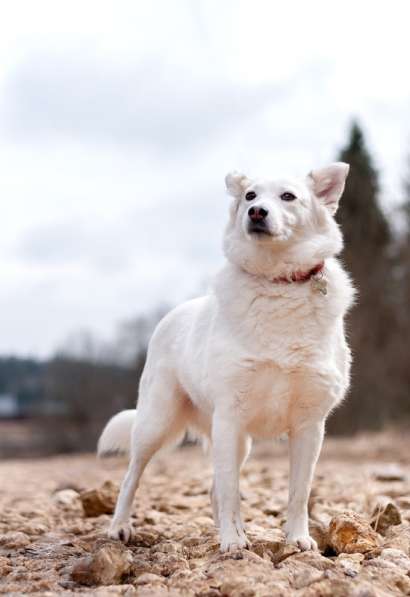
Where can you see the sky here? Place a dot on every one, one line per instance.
(120, 119)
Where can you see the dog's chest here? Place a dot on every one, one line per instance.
(263, 395)
(278, 343)
(284, 331)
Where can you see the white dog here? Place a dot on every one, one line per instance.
(263, 354)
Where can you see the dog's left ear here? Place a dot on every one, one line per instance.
(328, 184)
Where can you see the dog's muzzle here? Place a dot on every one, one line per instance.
(257, 220)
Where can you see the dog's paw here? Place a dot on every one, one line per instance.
(304, 542)
(121, 532)
(236, 543)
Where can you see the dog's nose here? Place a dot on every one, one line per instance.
(257, 214)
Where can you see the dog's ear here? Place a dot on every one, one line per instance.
(328, 184)
(236, 183)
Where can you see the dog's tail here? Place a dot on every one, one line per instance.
(116, 435)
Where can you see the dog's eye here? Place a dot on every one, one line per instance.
(288, 196)
(250, 195)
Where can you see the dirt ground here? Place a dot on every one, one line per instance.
(53, 513)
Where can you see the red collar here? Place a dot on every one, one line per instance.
(300, 276)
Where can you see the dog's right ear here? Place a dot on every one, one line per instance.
(236, 183)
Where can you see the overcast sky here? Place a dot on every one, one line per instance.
(119, 120)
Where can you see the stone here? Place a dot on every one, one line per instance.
(68, 499)
(167, 564)
(398, 537)
(351, 533)
(168, 547)
(396, 556)
(389, 472)
(100, 501)
(403, 502)
(5, 566)
(318, 532)
(145, 538)
(148, 578)
(351, 564)
(385, 515)
(14, 539)
(179, 552)
(107, 566)
(152, 517)
(114, 590)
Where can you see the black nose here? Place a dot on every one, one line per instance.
(257, 214)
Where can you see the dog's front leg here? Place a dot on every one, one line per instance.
(226, 441)
(305, 445)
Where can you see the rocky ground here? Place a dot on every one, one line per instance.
(53, 513)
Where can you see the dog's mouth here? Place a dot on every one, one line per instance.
(259, 229)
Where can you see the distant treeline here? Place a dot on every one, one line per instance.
(64, 401)
(22, 379)
(71, 396)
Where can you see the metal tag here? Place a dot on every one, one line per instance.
(319, 283)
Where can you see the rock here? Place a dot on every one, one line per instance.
(100, 501)
(14, 539)
(396, 556)
(68, 499)
(5, 566)
(403, 502)
(192, 541)
(32, 528)
(351, 533)
(203, 522)
(385, 515)
(149, 578)
(104, 567)
(398, 537)
(389, 571)
(177, 554)
(238, 587)
(145, 538)
(389, 472)
(141, 565)
(318, 532)
(168, 547)
(114, 590)
(305, 578)
(269, 547)
(167, 564)
(350, 563)
(311, 559)
(272, 508)
(152, 517)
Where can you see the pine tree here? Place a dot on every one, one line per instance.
(366, 256)
(365, 228)
(406, 202)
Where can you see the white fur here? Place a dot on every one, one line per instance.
(255, 357)
(116, 435)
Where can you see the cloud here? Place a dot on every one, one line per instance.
(116, 133)
(187, 225)
(161, 107)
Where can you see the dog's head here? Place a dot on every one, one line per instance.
(286, 220)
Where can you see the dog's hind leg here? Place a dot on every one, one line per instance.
(245, 446)
(160, 417)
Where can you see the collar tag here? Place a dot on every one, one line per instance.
(319, 283)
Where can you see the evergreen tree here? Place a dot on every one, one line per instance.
(366, 255)
(406, 202)
(365, 228)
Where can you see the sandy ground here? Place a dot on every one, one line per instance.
(51, 544)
